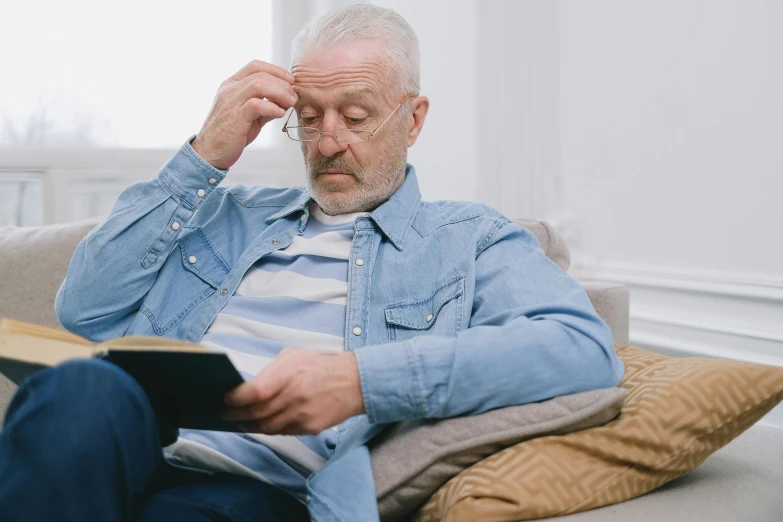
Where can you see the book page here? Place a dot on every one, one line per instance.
(141, 342)
(40, 350)
(36, 344)
(34, 330)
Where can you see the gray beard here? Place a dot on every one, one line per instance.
(373, 189)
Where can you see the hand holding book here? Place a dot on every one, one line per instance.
(301, 392)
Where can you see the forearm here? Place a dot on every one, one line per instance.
(115, 265)
(488, 367)
(533, 335)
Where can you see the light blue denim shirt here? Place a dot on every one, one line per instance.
(452, 310)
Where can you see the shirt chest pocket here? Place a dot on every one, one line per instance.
(191, 274)
(437, 313)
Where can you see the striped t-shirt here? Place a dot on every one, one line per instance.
(294, 297)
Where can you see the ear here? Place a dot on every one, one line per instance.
(418, 112)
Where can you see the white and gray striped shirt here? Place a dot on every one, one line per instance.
(293, 297)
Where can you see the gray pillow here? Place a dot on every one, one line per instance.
(412, 459)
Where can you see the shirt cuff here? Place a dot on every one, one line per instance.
(188, 177)
(390, 376)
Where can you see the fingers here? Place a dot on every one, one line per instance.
(255, 108)
(257, 410)
(268, 383)
(262, 78)
(251, 392)
(278, 416)
(264, 86)
(257, 66)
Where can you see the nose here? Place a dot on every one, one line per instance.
(328, 145)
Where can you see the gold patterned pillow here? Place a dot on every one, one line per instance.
(678, 411)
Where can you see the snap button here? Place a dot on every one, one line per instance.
(175, 226)
(212, 181)
(192, 260)
(360, 261)
(200, 193)
(307, 499)
(357, 331)
(223, 291)
(429, 318)
(275, 241)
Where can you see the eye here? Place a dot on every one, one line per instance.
(355, 121)
(309, 119)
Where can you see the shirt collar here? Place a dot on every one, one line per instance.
(394, 217)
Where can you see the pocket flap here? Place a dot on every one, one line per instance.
(420, 314)
(199, 257)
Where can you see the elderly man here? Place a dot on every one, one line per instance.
(347, 305)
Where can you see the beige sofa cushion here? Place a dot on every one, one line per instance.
(551, 241)
(33, 263)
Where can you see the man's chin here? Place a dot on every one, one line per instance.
(338, 202)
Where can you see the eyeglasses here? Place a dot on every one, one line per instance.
(347, 136)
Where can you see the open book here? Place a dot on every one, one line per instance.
(185, 382)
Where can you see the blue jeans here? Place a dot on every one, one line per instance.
(81, 442)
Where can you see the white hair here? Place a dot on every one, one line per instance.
(361, 22)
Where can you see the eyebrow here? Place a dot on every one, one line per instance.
(359, 92)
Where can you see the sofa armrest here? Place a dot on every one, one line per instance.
(611, 301)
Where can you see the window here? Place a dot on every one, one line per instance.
(143, 74)
(21, 198)
(97, 95)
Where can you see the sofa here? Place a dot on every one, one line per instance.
(740, 482)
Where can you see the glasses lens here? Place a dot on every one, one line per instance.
(350, 136)
(303, 133)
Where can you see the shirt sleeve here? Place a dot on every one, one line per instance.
(533, 335)
(116, 264)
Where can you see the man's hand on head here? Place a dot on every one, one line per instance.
(257, 94)
(301, 392)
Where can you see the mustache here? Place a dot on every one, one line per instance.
(325, 162)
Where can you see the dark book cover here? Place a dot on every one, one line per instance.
(186, 389)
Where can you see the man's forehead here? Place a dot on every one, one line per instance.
(362, 52)
(353, 92)
(358, 70)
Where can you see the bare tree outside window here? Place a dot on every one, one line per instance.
(56, 122)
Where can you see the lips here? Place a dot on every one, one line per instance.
(334, 171)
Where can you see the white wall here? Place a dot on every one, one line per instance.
(648, 132)
(445, 153)
(671, 127)
(674, 110)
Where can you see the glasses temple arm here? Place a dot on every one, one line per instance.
(285, 125)
(392, 113)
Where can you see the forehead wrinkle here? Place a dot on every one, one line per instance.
(373, 67)
(373, 72)
(346, 88)
(341, 94)
(303, 70)
(338, 79)
(334, 79)
(371, 75)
